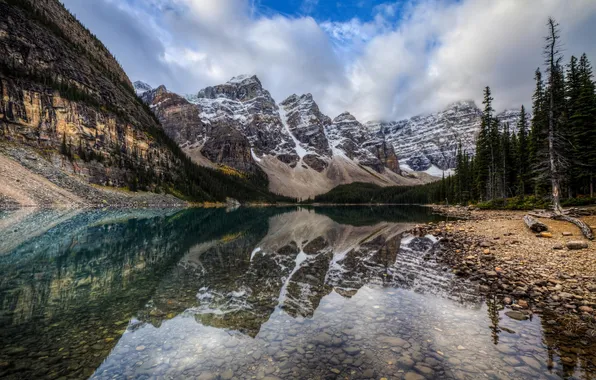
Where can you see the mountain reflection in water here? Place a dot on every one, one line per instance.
(258, 292)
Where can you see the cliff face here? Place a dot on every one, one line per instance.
(65, 96)
(43, 119)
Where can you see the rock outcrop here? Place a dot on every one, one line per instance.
(353, 139)
(63, 93)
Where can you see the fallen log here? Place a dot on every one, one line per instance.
(534, 225)
(585, 229)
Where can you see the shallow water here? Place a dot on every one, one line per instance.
(254, 293)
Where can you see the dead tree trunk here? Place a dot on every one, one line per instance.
(585, 229)
(534, 225)
(552, 57)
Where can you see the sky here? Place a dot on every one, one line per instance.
(379, 60)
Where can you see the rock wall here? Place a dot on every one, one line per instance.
(64, 94)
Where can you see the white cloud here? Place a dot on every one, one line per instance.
(308, 6)
(435, 53)
(442, 53)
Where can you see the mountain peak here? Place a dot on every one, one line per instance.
(462, 103)
(241, 88)
(244, 79)
(141, 87)
(344, 117)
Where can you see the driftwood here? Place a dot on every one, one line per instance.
(585, 229)
(534, 225)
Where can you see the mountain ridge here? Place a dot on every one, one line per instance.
(429, 142)
(302, 152)
(423, 143)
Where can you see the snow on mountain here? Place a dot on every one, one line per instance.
(301, 150)
(355, 141)
(425, 141)
(141, 87)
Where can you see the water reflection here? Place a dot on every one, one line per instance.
(263, 293)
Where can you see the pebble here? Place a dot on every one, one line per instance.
(517, 315)
(413, 376)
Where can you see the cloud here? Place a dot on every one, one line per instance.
(444, 52)
(308, 6)
(407, 58)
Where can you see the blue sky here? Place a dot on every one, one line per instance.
(376, 59)
(323, 9)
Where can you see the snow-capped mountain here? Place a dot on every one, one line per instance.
(302, 151)
(141, 87)
(430, 142)
(350, 137)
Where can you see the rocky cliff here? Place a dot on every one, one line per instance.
(302, 151)
(430, 142)
(64, 93)
(66, 100)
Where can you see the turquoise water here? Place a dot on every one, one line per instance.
(263, 293)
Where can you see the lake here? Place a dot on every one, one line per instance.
(263, 293)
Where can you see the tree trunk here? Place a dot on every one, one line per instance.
(556, 189)
(585, 229)
(534, 225)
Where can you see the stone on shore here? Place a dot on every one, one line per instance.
(576, 244)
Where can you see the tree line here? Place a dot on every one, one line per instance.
(548, 156)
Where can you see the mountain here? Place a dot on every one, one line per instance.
(74, 129)
(141, 87)
(302, 152)
(430, 142)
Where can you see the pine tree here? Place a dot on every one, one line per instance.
(523, 153)
(495, 188)
(583, 121)
(508, 169)
(483, 148)
(513, 174)
(538, 136)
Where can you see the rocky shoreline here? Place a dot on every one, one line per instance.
(527, 274)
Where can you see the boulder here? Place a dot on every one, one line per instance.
(577, 244)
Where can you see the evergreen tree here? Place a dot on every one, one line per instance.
(513, 173)
(507, 156)
(495, 188)
(583, 121)
(538, 136)
(523, 154)
(483, 148)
